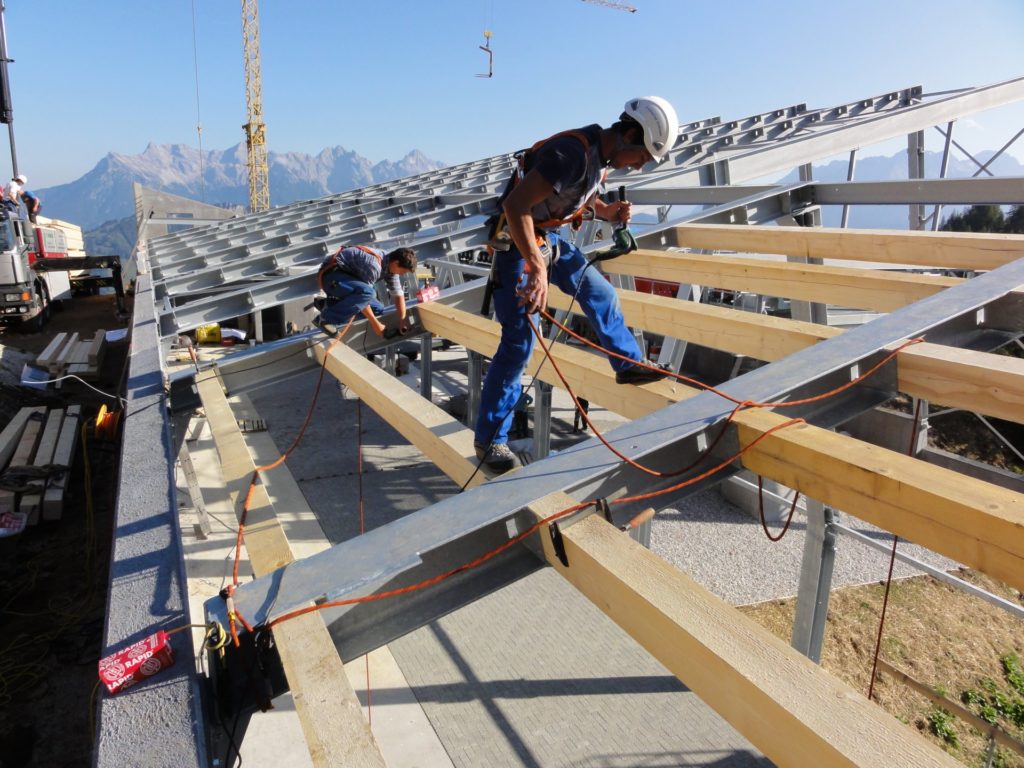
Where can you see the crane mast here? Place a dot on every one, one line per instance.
(255, 130)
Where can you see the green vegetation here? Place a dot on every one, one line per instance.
(986, 218)
(942, 724)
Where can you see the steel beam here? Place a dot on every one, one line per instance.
(410, 549)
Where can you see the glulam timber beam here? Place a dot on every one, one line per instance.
(791, 709)
(841, 286)
(947, 250)
(976, 381)
(775, 697)
(909, 501)
(329, 712)
(589, 375)
(761, 337)
(971, 521)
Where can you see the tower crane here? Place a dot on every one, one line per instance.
(255, 130)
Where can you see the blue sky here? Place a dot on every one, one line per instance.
(383, 77)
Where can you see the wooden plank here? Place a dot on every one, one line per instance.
(329, 712)
(63, 455)
(1001, 737)
(11, 435)
(976, 523)
(969, 520)
(588, 374)
(421, 422)
(52, 349)
(842, 286)
(97, 348)
(761, 337)
(31, 502)
(949, 250)
(22, 458)
(787, 706)
(60, 363)
(977, 381)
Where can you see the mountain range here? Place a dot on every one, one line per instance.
(105, 193)
(101, 201)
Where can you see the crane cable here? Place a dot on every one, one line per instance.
(199, 119)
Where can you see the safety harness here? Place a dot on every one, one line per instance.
(575, 220)
(331, 262)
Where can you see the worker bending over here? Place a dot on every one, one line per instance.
(557, 181)
(348, 276)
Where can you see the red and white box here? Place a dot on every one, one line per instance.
(427, 293)
(128, 666)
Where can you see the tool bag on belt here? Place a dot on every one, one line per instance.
(498, 235)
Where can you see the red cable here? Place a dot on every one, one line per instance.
(892, 563)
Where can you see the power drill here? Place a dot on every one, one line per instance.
(623, 241)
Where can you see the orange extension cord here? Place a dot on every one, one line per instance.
(740, 405)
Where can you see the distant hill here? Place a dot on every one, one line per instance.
(105, 193)
(112, 238)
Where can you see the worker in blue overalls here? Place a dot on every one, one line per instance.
(557, 181)
(348, 276)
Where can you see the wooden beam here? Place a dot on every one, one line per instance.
(971, 521)
(589, 375)
(842, 286)
(912, 504)
(761, 337)
(976, 381)
(429, 428)
(787, 706)
(329, 712)
(949, 250)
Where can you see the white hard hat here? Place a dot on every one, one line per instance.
(21, 178)
(659, 121)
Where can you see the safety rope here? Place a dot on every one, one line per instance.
(362, 530)
(572, 509)
(234, 617)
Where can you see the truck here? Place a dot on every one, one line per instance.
(38, 269)
(26, 293)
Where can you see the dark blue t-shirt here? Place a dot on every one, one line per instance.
(573, 171)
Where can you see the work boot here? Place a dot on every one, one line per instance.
(499, 458)
(328, 328)
(637, 374)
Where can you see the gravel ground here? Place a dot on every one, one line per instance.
(725, 549)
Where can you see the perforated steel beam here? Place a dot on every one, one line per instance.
(422, 544)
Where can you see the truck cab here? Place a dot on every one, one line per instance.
(26, 295)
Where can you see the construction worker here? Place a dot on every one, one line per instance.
(348, 276)
(32, 205)
(558, 180)
(12, 192)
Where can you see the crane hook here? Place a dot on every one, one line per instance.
(486, 48)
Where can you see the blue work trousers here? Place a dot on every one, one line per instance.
(347, 295)
(595, 295)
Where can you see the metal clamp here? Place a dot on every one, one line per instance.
(555, 531)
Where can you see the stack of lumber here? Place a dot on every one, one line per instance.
(36, 451)
(67, 355)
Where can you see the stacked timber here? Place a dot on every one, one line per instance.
(68, 355)
(36, 451)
